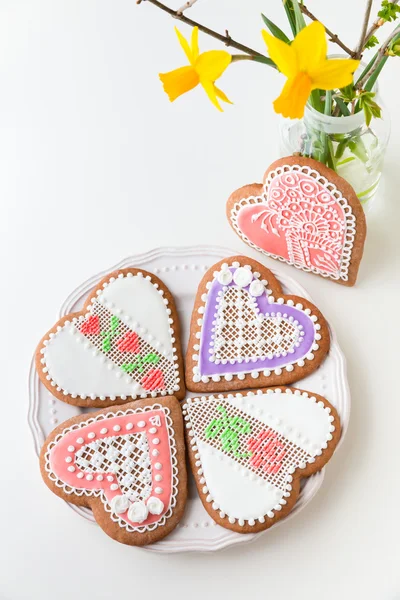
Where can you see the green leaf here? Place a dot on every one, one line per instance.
(373, 41)
(265, 60)
(315, 100)
(368, 67)
(369, 106)
(288, 6)
(298, 15)
(341, 147)
(275, 30)
(343, 107)
(128, 367)
(389, 11)
(114, 322)
(371, 81)
(358, 149)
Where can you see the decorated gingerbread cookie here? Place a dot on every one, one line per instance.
(123, 345)
(246, 333)
(304, 214)
(249, 451)
(126, 463)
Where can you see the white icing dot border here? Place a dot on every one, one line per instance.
(99, 493)
(255, 373)
(71, 323)
(242, 397)
(350, 220)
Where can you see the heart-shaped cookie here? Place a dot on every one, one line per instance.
(126, 463)
(303, 214)
(124, 344)
(246, 333)
(249, 451)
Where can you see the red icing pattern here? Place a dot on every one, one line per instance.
(267, 451)
(129, 343)
(63, 457)
(300, 220)
(91, 326)
(154, 380)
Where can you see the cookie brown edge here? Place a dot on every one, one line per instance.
(101, 516)
(97, 403)
(320, 462)
(249, 382)
(342, 185)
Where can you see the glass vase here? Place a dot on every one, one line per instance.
(346, 144)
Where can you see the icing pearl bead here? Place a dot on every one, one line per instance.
(256, 288)
(242, 277)
(224, 277)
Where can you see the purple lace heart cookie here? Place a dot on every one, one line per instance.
(246, 333)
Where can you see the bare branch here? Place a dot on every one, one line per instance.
(381, 53)
(187, 5)
(225, 39)
(367, 15)
(333, 37)
(375, 25)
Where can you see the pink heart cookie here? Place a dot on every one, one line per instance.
(303, 214)
(126, 463)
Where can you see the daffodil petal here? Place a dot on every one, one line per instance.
(195, 43)
(281, 53)
(294, 97)
(310, 46)
(220, 94)
(334, 73)
(210, 90)
(184, 43)
(210, 65)
(179, 81)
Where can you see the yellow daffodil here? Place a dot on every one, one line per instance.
(204, 68)
(306, 67)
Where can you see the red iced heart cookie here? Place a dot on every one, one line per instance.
(126, 463)
(129, 343)
(303, 214)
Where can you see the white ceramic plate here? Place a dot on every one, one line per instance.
(181, 269)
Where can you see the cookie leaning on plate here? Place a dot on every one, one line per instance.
(304, 214)
(126, 463)
(245, 332)
(124, 344)
(248, 452)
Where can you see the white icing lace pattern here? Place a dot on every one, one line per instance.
(170, 364)
(164, 364)
(242, 331)
(298, 251)
(99, 493)
(201, 412)
(127, 456)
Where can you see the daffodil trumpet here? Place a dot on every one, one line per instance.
(305, 64)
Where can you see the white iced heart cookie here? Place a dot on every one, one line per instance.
(249, 451)
(122, 346)
(126, 463)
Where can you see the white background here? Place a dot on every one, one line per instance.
(96, 164)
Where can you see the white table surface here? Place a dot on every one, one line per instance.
(96, 165)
